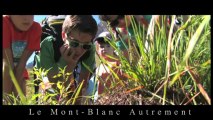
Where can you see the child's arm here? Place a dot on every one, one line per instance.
(7, 61)
(84, 76)
(19, 69)
(7, 51)
(8, 57)
(48, 63)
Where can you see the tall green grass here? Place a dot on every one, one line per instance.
(174, 68)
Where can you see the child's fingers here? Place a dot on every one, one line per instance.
(72, 54)
(73, 57)
(66, 51)
(63, 48)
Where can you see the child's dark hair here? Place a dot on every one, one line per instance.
(104, 18)
(82, 23)
(101, 40)
(104, 37)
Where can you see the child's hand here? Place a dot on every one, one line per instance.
(68, 55)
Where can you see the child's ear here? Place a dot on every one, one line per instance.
(63, 35)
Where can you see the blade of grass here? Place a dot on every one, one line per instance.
(77, 92)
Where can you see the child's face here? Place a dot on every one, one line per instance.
(104, 49)
(79, 42)
(22, 22)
